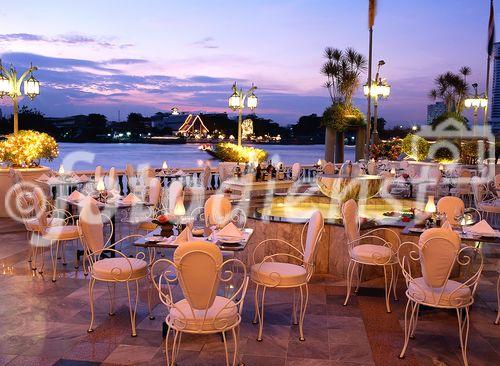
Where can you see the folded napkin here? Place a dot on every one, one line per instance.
(43, 178)
(183, 237)
(76, 196)
(53, 180)
(230, 231)
(83, 178)
(481, 228)
(180, 172)
(131, 199)
(88, 199)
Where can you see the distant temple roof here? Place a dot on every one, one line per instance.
(191, 123)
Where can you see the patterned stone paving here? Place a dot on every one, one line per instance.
(44, 323)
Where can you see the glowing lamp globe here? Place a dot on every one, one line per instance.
(100, 186)
(366, 90)
(252, 101)
(32, 87)
(179, 209)
(61, 170)
(430, 206)
(5, 86)
(468, 103)
(234, 101)
(483, 102)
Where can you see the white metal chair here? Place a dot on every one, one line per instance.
(295, 273)
(199, 269)
(453, 208)
(296, 171)
(489, 207)
(497, 320)
(437, 253)
(98, 173)
(119, 269)
(381, 251)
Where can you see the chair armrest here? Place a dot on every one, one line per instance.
(274, 240)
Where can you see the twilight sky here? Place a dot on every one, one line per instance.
(151, 55)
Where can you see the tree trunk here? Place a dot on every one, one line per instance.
(360, 144)
(330, 139)
(339, 151)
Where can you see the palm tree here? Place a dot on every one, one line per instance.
(452, 89)
(342, 70)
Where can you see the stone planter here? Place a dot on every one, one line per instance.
(6, 182)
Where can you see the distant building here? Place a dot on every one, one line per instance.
(434, 111)
(495, 92)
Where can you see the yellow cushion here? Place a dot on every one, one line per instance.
(418, 290)
(33, 224)
(371, 254)
(68, 232)
(120, 269)
(222, 314)
(278, 274)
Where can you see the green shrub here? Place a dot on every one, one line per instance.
(415, 147)
(339, 116)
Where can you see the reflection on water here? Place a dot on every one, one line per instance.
(181, 155)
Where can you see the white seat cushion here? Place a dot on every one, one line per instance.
(68, 232)
(222, 314)
(372, 254)
(33, 224)
(120, 269)
(278, 274)
(418, 290)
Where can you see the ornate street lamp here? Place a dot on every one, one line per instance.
(237, 103)
(379, 88)
(10, 86)
(475, 102)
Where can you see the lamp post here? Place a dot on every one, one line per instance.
(475, 102)
(379, 88)
(10, 85)
(237, 103)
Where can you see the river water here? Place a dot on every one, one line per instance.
(85, 156)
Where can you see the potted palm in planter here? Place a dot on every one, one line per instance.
(342, 70)
(23, 151)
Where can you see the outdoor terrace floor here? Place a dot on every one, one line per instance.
(45, 323)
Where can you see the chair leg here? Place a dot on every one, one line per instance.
(133, 311)
(260, 313)
(463, 329)
(64, 262)
(150, 294)
(360, 277)
(111, 298)
(387, 289)
(408, 325)
(91, 300)
(225, 347)
(350, 273)
(174, 347)
(303, 308)
(54, 260)
(395, 282)
(497, 321)
(294, 308)
(167, 358)
(236, 336)
(256, 304)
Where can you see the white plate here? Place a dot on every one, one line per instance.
(229, 240)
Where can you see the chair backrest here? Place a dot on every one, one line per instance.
(175, 190)
(371, 167)
(329, 168)
(314, 231)
(154, 185)
(98, 173)
(451, 207)
(350, 216)
(478, 190)
(296, 171)
(217, 210)
(129, 170)
(198, 266)
(438, 252)
(226, 170)
(40, 203)
(91, 226)
(112, 178)
(206, 177)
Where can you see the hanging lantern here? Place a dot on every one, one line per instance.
(32, 87)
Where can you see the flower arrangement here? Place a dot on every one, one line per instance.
(27, 147)
(415, 147)
(390, 149)
(226, 151)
